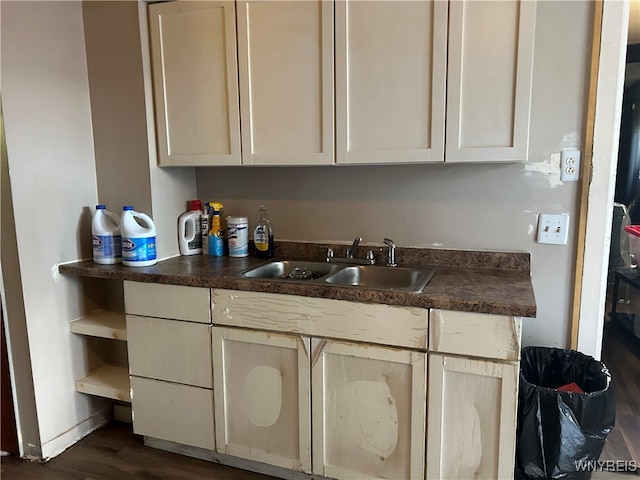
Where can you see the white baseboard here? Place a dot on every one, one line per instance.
(56, 446)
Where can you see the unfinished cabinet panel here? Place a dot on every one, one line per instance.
(475, 334)
(490, 65)
(390, 81)
(177, 413)
(262, 397)
(369, 410)
(194, 68)
(170, 350)
(285, 53)
(472, 418)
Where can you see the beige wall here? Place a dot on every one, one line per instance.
(53, 180)
(490, 207)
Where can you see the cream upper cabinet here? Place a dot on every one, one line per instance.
(194, 68)
(262, 397)
(390, 81)
(369, 411)
(490, 64)
(285, 55)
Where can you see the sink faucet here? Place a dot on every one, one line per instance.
(350, 255)
(391, 253)
(351, 251)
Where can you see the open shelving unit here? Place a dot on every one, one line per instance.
(108, 381)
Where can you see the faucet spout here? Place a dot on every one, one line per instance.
(351, 251)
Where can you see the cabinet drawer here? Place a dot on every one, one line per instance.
(167, 301)
(382, 324)
(170, 350)
(177, 413)
(475, 334)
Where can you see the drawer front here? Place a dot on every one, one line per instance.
(382, 324)
(177, 413)
(475, 334)
(167, 301)
(170, 350)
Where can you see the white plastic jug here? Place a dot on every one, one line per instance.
(105, 229)
(138, 240)
(189, 235)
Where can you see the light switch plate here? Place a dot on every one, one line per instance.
(553, 228)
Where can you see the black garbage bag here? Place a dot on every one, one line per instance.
(559, 432)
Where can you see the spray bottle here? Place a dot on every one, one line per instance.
(217, 232)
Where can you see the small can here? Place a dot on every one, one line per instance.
(238, 236)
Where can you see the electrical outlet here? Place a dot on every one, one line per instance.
(569, 165)
(553, 228)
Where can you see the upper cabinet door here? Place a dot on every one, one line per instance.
(193, 53)
(285, 52)
(390, 81)
(489, 80)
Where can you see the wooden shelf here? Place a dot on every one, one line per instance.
(101, 323)
(109, 381)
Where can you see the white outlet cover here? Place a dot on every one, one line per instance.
(553, 228)
(570, 165)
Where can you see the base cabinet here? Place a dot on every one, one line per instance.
(472, 418)
(369, 411)
(262, 397)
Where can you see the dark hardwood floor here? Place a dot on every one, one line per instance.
(621, 355)
(113, 452)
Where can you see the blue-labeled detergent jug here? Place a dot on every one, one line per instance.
(105, 230)
(138, 238)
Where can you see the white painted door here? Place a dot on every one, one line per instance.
(262, 397)
(194, 67)
(472, 418)
(390, 81)
(285, 54)
(490, 65)
(369, 410)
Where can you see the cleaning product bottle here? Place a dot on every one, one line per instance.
(263, 235)
(204, 228)
(138, 238)
(189, 236)
(105, 229)
(217, 233)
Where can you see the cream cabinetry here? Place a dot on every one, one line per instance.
(472, 398)
(489, 75)
(194, 68)
(170, 362)
(285, 55)
(401, 68)
(262, 397)
(368, 411)
(390, 81)
(368, 406)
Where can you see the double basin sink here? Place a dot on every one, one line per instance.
(401, 279)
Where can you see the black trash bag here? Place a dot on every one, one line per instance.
(558, 432)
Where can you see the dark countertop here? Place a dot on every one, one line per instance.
(462, 280)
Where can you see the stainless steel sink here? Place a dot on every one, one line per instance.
(401, 279)
(292, 270)
(385, 278)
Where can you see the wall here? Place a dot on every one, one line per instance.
(490, 207)
(52, 174)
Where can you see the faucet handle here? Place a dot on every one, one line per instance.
(391, 254)
(329, 254)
